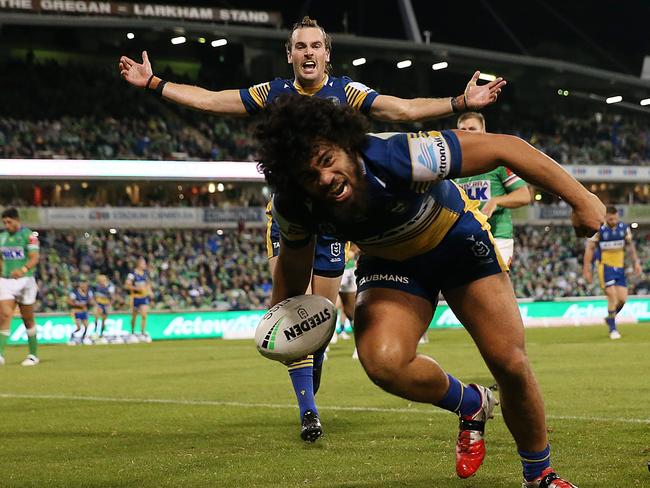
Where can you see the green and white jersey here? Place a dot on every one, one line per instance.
(15, 249)
(499, 181)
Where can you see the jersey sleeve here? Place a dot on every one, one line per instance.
(510, 181)
(130, 277)
(422, 157)
(32, 243)
(358, 95)
(255, 97)
(294, 222)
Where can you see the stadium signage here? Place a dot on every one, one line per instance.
(148, 10)
(56, 328)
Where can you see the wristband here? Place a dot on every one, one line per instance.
(159, 88)
(456, 104)
(146, 87)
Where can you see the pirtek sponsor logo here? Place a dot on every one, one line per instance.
(290, 333)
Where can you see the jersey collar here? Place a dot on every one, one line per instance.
(310, 91)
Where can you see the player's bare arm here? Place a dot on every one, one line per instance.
(223, 102)
(590, 246)
(631, 249)
(517, 198)
(292, 271)
(484, 152)
(31, 263)
(475, 97)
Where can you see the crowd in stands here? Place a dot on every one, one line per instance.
(96, 115)
(215, 270)
(208, 270)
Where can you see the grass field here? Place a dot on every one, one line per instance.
(214, 413)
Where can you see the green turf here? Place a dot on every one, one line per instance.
(216, 414)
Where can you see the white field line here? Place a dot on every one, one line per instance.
(334, 408)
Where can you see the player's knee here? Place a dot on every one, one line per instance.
(509, 365)
(383, 364)
(5, 316)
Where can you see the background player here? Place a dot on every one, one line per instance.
(498, 191)
(80, 300)
(308, 50)
(103, 297)
(329, 173)
(347, 291)
(139, 285)
(19, 253)
(609, 245)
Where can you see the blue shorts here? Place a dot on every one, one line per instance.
(137, 302)
(83, 315)
(329, 255)
(611, 276)
(467, 253)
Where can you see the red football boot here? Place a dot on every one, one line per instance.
(548, 479)
(470, 446)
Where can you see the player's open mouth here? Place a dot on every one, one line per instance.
(340, 191)
(309, 66)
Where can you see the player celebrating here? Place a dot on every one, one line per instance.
(498, 191)
(79, 300)
(418, 234)
(308, 50)
(19, 252)
(609, 245)
(103, 296)
(139, 285)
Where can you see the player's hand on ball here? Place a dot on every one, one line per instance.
(136, 73)
(588, 216)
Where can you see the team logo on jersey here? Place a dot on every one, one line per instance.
(335, 248)
(479, 248)
(334, 99)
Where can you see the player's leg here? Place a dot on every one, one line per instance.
(76, 321)
(144, 312)
(84, 325)
(612, 310)
(27, 313)
(488, 309)
(134, 315)
(348, 300)
(6, 311)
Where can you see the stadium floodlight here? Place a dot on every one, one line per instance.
(404, 64)
(219, 42)
(358, 61)
(634, 225)
(441, 65)
(219, 232)
(565, 93)
(112, 230)
(645, 101)
(211, 188)
(84, 184)
(130, 35)
(615, 99)
(202, 40)
(487, 77)
(220, 187)
(178, 40)
(538, 197)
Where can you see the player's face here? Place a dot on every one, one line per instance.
(333, 175)
(308, 55)
(142, 264)
(471, 124)
(12, 225)
(611, 219)
(83, 287)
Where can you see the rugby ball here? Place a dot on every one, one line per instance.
(296, 327)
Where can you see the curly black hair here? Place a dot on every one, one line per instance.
(289, 130)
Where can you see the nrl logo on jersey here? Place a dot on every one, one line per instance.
(479, 248)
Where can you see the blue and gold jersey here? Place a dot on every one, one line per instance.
(104, 294)
(80, 300)
(409, 203)
(140, 282)
(342, 91)
(611, 242)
